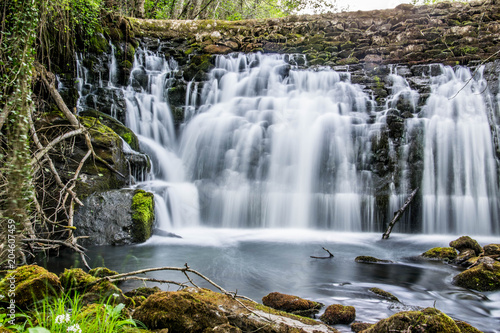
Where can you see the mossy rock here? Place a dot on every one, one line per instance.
(104, 292)
(466, 327)
(292, 304)
(371, 260)
(75, 278)
(100, 272)
(427, 320)
(143, 291)
(179, 312)
(465, 242)
(32, 284)
(143, 214)
(338, 314)
(98, 44)
(384, 294)
(491, 249)
(441, 253)
(359, 327)
(124, 132)
(5, 330)
(480, 278)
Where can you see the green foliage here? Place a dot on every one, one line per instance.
(69, 314)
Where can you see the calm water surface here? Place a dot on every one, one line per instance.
(259, 261)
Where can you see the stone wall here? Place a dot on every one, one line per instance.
(452, 33)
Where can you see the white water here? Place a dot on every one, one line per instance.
(460, 185)
(150, 117)
(265, 144)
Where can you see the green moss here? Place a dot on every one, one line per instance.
(339, 314)
(348, 61)
(479, 278)
(292, 304)
(75, 278)
(98, 44)
(427, 320)
(441, 253)
(32, 283)
(142, 215)
(100, 272)
(468, 50)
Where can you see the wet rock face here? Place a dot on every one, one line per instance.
(110, 218)
(291, 304)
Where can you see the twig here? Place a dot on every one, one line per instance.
(330, 255)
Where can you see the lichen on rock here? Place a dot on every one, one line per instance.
(440, 253)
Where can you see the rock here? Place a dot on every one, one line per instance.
(104, 292)
(338, 314)
(484, 276)
(427, 320)
(464, 256)
(466, 327)
(359, 327)
(143, 291)
(31, 284)
(100, 272)
(370, 260)
(441, 253)
(202, 310)
(116, 217)
(75, 278)
(465, 242)
(384, 294)
(292, 304)
(491, 250)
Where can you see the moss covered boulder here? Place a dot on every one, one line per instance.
(484, 276)
(179, 312)
(371, 260)
(339, 314)
(465, 242)
(427, 320)
(32, 283)
(492, 250)
(466, 327)
(100, 272)
(360, 327)
(440, 253)
(104, 292)
(75, 279)
(143, 214)
(291, 304)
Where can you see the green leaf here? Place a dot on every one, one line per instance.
(38, 330)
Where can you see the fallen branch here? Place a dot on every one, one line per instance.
(399, 213)
(330, 255)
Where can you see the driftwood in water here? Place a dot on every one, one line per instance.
(330, 255)
(399, 213)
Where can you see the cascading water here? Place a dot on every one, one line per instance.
(460, 185)
(150, 117)
(271, 146)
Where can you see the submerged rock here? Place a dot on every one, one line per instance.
(384, 294)
(427, 320)
(338, 314)
(31, 284)
(371, 260)
(292, 304)
(465, 242)
(484, 276)
(441, 253)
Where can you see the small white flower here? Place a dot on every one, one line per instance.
(2, 296)
(115, 295)
(74, 328)
(64, 318)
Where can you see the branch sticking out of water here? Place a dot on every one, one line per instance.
(330, 255)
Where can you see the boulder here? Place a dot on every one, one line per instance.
(427, 320)
(465, 242)
(292, 304)
(75, 278)
(483, 276)
(100, 272)
(360, 327)
(492, 250)
(31, 284)
(339, 314)
(371, 260)
(440, 253)
(464, 257)
(116, 217)
(202, 310)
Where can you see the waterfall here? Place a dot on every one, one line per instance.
(460, 185)
(274, 146)
(150, 117)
